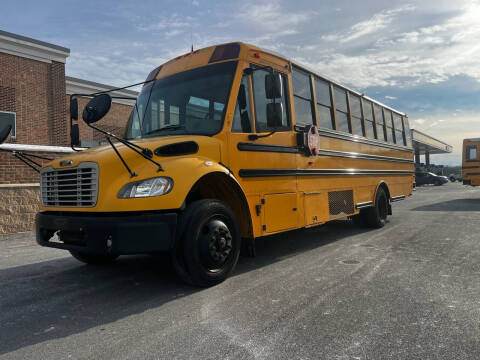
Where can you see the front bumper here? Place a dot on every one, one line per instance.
(121, 234)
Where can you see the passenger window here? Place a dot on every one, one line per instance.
(407, 134)
(381, 134)
(262, 102)
(471, 153)
(324, 104)
(356, 109)
(397, 122)
(302, 95)
(389, 126)
(341, 109)
(242, 118)
(369, 124)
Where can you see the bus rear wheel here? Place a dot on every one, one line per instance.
(209, 242)
(376, 216)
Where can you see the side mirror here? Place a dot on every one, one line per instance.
(97, 108)
(273, 86)
(274, 115)
(4, 133)
(242, 97)
(74, 109)
(74, 135)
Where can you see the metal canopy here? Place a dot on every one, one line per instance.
(423, 143)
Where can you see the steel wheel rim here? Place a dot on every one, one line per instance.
(215, 244)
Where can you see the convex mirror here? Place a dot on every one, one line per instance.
(74, 109)
(97, 108)
(273, 86)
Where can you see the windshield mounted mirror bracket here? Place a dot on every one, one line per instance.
(97, 108)
(26, 158)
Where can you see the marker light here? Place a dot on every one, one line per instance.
(146, 188)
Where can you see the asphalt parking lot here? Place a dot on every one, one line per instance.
(408, 291)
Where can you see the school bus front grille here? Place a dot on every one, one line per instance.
(340, 203)
(73, 187)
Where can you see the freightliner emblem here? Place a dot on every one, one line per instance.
(66, 162)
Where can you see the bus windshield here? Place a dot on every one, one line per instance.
(190, 102)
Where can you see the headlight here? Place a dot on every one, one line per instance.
(146, 188)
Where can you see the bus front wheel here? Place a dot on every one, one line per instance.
(209, 242)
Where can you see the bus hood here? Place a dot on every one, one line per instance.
(165, 150)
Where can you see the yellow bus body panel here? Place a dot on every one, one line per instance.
(276, 203)
(471, 168)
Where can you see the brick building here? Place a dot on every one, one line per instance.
(34, 99)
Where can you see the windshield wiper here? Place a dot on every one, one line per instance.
(168, 127)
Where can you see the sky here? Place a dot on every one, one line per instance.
(420, 57)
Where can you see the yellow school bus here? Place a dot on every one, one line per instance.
(471, 162)
(224, 145)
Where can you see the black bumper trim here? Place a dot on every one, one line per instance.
(131, 234)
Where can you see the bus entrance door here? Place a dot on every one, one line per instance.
(264, 163)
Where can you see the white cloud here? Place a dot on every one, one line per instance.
(426, 55)
(164, 22)
(271, 16)
(376, 23)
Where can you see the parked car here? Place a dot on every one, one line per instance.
(424, 178)
(455, 177)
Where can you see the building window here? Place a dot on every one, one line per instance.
(369, 123)
(381, 135)
(341, 109)
(9, 118)
(324, 104)
(356, 110)
(302, 95)
(471, 153)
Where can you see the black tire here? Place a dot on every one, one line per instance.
(438, 183)
(376, 216)
(210, 240)
(94, 259)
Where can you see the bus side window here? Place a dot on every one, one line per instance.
(369, 124)
(471, 153)
(341, 109)
(261, 102)
(381, 134)
(397, 123)
(406, 134)
(242, 118)
(389, 125)
(356, 111)
(302, 97)
(324, 104)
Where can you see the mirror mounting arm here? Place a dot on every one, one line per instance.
(145, 153)
(250, 70)
(27, 161)
(132, 174)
